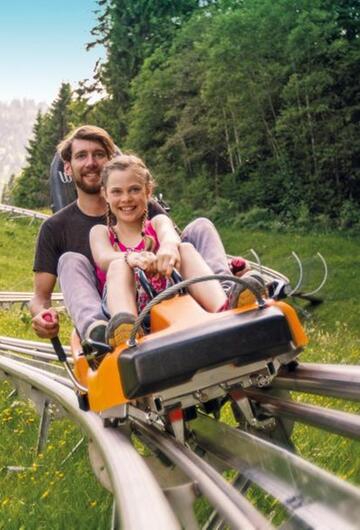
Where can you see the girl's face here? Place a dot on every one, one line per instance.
(127, 195)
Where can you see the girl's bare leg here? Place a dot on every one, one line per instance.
(210, 295)
(121, 293)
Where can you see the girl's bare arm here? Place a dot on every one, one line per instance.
(168, 256)
(101, 249)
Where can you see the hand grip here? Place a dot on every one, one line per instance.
(55, 341)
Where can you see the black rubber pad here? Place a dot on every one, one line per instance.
(163, 362)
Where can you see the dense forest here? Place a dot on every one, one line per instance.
(246, 110)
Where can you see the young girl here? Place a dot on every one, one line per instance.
(131, 241)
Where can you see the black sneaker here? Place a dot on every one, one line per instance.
(96, 331)
(94, 346)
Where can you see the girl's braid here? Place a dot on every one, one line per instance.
(110, 222)
(149, 241)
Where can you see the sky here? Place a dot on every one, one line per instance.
(42, 44)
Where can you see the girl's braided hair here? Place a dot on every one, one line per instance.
(121, 163)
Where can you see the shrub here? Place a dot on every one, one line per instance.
(349, 216)
(223, 212)
(256, 218)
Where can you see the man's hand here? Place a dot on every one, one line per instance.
(46, 323)
(167, 258)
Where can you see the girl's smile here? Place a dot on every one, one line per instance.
(127, 195)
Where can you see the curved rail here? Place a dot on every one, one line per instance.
(323, 281)
(308, 493)
(235, 509)
(301, 272)
(132, 483)
(23, 212)
(336, 380)
(317, 498)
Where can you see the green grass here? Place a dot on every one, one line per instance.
(48, 495)
(17, 238)
(342, 256)
(333, 327)
(57, 496)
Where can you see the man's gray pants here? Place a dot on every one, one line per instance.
(79, 285)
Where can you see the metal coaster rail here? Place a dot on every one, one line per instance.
(132, 482)
(22, 212)
(22, 297)
(311, 496)
(121, 460)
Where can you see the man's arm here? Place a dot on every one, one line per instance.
(40, 305)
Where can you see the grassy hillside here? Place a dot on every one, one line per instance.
(47, 493)
(333, 327)
(51, 494)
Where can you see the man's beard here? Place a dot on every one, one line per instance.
(90, 189)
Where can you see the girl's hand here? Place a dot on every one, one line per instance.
(144, 260)
(167, 258)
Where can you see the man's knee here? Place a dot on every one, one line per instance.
(75, 261)
(199, 226)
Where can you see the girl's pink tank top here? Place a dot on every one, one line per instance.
(117, 245)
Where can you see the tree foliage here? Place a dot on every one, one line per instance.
(31, 188)
(234, 104)
(262, 98)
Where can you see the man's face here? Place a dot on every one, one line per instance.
(87, 160)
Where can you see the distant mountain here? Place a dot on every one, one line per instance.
(16, 122)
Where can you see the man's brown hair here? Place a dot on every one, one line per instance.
(86, 132)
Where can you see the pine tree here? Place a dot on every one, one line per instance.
(31, 188)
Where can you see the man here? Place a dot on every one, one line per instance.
(63, 249)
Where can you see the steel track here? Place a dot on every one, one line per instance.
(291, 480)
(135, 490)
(22, 297)
(336, 380)
(313, 497)
(235, 509)
(22, 212)
(227, 501)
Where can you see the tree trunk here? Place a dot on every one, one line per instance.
(227, 137)
(311, 131)
(236, 136)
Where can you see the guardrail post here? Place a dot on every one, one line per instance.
(182, 499)
(44, 426)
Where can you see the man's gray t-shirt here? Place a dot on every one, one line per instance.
(68, 231)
